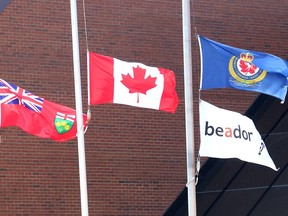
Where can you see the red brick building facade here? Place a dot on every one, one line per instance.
(135, 158)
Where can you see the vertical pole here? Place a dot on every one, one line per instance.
(189, 118)
(79, 112)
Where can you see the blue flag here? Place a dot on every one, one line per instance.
(224, 66)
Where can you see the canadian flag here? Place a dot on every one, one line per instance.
(114, 81)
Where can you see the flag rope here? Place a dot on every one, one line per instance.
(193, 14)
(198, 165)
(88, 83)
(88, 68)
(85, 25)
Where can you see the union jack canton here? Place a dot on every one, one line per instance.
(12, 94)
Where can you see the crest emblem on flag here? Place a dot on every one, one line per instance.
(244, 71)
(63, 122)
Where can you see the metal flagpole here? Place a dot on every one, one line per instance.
(79, 112)
(189, 118)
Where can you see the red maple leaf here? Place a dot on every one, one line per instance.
(247, 67)
(138, 84)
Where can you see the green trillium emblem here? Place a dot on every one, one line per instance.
(63, 125)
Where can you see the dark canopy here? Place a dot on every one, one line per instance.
(233, 187)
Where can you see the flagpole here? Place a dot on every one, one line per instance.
(79, 112)
(189, 118)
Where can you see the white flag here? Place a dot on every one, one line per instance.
(227, 134)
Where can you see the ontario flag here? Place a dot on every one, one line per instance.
(224, 66)
(35, 115)
(135, 84)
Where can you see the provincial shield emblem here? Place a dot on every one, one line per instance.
(63, 123)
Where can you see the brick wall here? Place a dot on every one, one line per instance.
(135, 158)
